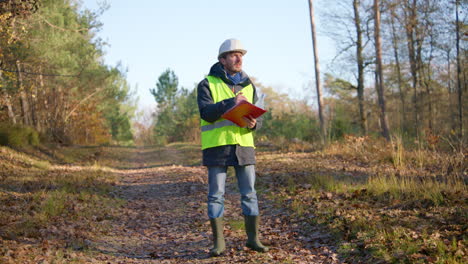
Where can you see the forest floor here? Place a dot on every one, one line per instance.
(159, 215)
(148, 205)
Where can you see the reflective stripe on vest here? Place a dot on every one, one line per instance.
(224, 132)
(219, 124)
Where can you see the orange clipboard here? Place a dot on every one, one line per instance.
(241, 109)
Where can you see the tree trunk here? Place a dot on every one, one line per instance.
(360, 66)
(459, 81)
(25, 109)
(317, 73)
(379, 73)
(58, 125)
(45, 122)
(401, 91)
(419, 39)
(6, 99)
(410, 14)
(34, 109)
(427, 84)
(449, 73)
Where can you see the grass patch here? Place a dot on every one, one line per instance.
(69, 197)
(414, 188)
(40, 201)
(54, 204)
(237, 225)
(41, 164)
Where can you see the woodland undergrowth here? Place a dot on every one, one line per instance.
(382, 202)
(379, 200)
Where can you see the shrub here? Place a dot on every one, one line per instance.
(18, 135)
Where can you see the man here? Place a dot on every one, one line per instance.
(226, 144)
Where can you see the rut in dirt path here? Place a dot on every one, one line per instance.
(164, 220)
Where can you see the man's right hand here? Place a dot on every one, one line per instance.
(239, 97)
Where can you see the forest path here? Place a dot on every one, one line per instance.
(163, 219)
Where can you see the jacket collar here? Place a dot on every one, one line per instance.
(217, 70)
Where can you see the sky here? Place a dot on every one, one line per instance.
(149, 36)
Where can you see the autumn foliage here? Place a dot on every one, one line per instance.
(52, 77)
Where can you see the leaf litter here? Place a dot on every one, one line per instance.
(160, 217)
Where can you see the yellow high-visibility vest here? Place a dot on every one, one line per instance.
(224, 132)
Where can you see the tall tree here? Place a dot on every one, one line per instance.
(379, 79)
(6, 98)
(459, 72)
(165, 95)
(411, 22)
(360, 65)
(10, 10)
(317, 73)
(348, 24)
(396, 54)
(166, 88)
(26, 110)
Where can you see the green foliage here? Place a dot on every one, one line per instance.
(86, 102)
(119, 125)
(295, 125)
(18, 136)
(166, 88)
(339, 87)
(342, 123)
(116, 108)
(165, 126)
(286, 118)
(343, 105)
(177, 117)
(186, 116)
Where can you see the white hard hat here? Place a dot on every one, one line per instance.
(230, 45)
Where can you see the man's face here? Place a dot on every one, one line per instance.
(232, 62)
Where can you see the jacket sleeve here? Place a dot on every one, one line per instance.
(259, 119)
(210, 111)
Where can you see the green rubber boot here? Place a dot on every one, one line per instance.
(217, 227)
(251, 227)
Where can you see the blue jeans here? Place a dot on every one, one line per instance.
(217, 184)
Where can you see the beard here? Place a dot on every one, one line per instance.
(234, 68)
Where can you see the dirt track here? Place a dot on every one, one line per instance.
(164, 221)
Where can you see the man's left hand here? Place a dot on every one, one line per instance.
(251, 122)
